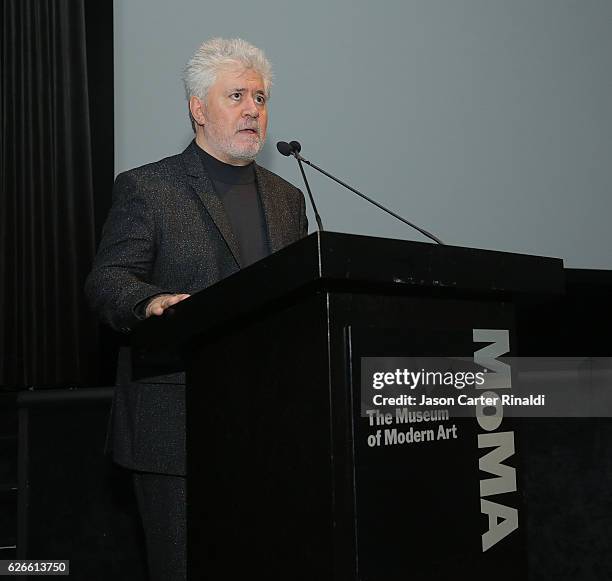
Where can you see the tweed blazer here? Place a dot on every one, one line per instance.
(167, 232)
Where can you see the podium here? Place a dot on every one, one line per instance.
(285, 479)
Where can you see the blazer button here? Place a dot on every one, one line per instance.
(125, 329)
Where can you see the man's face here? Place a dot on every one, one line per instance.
(235, 116)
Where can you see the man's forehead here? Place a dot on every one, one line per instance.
(239, 78)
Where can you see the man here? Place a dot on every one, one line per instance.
(176, 227)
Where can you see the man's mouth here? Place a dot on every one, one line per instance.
(249, 131)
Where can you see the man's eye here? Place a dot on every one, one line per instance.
(260, 99)
(235, 96)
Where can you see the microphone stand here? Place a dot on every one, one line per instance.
(300, 159)
(314, 206)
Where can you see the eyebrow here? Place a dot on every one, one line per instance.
(242, 90)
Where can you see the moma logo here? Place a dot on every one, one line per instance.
(502, 519)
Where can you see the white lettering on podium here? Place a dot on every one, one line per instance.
(502, 520)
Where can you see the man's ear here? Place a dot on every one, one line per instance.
(198, 110)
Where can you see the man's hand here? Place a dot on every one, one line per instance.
(157, 305)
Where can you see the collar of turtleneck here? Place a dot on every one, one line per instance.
(225, 173)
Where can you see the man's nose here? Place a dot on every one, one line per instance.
(250, 107)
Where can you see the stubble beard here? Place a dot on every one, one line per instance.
(245, 152)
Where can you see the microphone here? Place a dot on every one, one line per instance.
(294, 148)
(284, 148)
(288, 149)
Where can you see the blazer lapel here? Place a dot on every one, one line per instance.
(203, 186)
(270, 208)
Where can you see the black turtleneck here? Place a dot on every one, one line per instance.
(236, 187)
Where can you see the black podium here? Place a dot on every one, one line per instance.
(285, 478)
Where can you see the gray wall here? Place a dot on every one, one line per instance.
(488, 122)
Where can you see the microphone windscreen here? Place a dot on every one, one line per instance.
(295, 146)
(284, 148)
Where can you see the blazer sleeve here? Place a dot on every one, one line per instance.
(120, 279)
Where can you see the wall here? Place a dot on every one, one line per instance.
(488, 122)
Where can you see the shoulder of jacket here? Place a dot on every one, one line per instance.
(151, 181)
(168, 166)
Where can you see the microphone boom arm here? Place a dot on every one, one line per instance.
(421, 230)
(314, 206)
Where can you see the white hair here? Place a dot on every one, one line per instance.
(216, 54)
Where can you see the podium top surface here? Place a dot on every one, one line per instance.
(331, 261)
